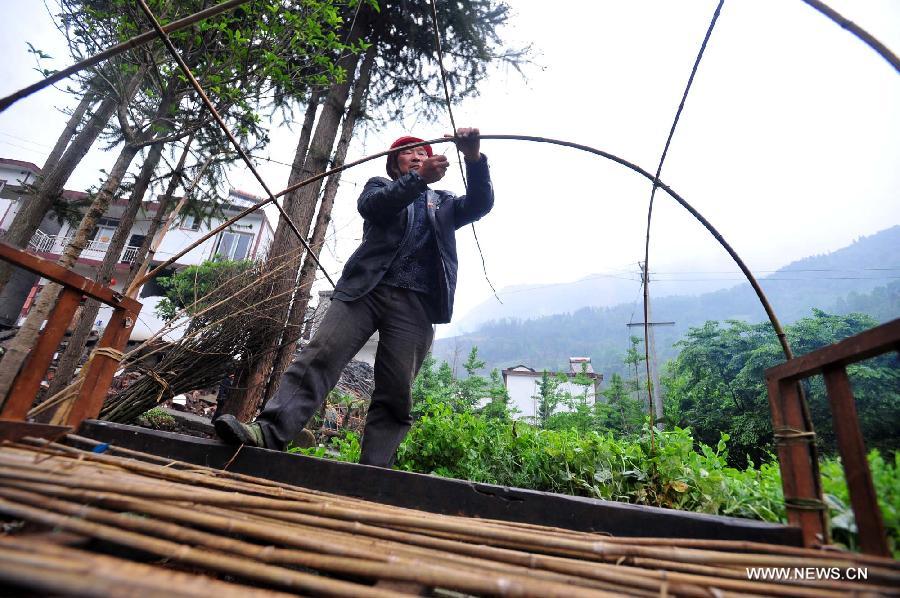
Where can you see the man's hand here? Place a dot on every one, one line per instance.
(433, 169)
(468, 142)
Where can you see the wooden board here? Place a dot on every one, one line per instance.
(443, 495)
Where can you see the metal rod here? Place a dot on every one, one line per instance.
(237, 146)
(866, 37)
(134, 42)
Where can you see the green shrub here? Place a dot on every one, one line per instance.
(674, 472)
(158, 419)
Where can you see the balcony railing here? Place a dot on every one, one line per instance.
(41, 242)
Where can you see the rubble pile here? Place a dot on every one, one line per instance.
(358, 380)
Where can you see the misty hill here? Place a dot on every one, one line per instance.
(859, 267)
(864, 276)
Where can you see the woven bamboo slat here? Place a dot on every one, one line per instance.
(283, 538)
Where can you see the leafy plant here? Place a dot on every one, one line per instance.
(188, 287)
(677, 473)
(717, 384)
(158, 419)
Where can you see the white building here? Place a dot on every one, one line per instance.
(523, 385)
(248, 238)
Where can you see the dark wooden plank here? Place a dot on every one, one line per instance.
(13, 430)
(27, 382)
(864, 345)
(443, 495)
(56, 273)
(872, 536)
(799, 479)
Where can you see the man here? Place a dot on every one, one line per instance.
(399, 281)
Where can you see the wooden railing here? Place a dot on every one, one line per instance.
(799, 471)
(101, 367)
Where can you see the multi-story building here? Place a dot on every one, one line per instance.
(246, 239)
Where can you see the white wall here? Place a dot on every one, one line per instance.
(180, 237)
(11, 176)
(522, 387)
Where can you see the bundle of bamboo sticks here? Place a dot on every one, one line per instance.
(178, 522)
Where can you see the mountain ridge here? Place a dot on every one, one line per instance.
(863, 276)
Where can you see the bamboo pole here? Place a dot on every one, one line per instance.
(671, 581)
(342, 508)
(596, 550)
(722, 545)
(379, 540)
(58, 570)
(359, 564)
(224, 563)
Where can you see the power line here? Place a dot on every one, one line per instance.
(26, 140)
(440, 53)
(779, 279)
(792, 270)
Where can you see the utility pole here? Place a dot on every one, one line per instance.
(655, 393)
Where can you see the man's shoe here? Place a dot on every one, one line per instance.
(232, 431)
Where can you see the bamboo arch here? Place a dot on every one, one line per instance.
(770, 312)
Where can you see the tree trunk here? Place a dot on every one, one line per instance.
(243, 404)
(29, 216)
(295, 323)
(69, 131)
(279, 250)
(156, 231)
(28, 333)
(296, 174)
(70, 357)
(24, 340)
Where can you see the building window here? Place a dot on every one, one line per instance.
(105, 229)
(234, 246)
(191, 222)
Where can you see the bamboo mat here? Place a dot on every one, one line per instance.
(176, 529)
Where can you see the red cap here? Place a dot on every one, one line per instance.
(408, 139)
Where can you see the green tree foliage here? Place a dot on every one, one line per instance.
(883, 303)
(548, 397)
(622, 412)
(717, 384)
(411, 81)
(499, 406)
(473, 388)
(634, 360)
(187, 288)
(605, 451)
(439, 385)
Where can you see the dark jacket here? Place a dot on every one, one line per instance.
(387, 208)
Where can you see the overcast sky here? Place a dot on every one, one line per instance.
(789, 143)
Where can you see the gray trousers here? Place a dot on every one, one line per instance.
(405, 336)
